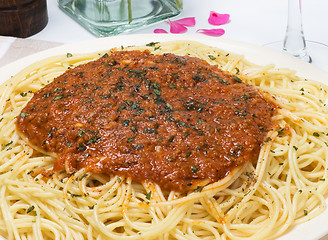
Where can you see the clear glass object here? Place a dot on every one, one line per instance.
(294, 42)
(112, 17)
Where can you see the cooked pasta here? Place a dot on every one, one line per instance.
(286, 186)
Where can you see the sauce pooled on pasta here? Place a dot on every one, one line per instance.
(172, 120)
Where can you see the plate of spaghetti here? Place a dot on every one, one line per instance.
(163, 137)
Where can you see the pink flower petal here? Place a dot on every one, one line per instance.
(176, 27)
(160, 31)
(189, 22)
(218, 19)
(212, 32)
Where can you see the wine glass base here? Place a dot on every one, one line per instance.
(317, 53)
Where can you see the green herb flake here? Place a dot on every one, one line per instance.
(58, 97)
(296, 148)
(198, 189)
(120, 108)
(93, 139)
(183, 124)
(194, 169)
(6, 145)
(81, 147)
(151, 44)
(280, 130)
(22, 115)
(169, 106)
(81, 133)
(224, 81)
(137, 147)
(83, 176)
(237, 79)
(157, 92)
(305, 212)
(244, 96)
(211, 57)
(148, 196)
(133, 129)
(126, 123)
(316, 134)
(241, 112)
(75, 195)
(268, 139)
(30, 209)
(131, 139)
(69, 55)
(248, 174)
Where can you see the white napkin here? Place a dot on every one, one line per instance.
(12, 48)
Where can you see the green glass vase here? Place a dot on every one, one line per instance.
(112, 17)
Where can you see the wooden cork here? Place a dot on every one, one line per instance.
(22, 18)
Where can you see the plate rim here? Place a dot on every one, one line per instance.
(256, 54)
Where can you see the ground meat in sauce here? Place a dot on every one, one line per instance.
(173, 120)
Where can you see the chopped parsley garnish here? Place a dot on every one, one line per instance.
(211, 57)
(198, 189)
(131, 139)
(58, 97)
(316, 134)
(30, 209)
(81, 133)
(151, 44)
(237, 79)
(22, 115)
(194, 169)
(148, 196)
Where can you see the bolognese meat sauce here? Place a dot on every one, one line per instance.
(173, 120)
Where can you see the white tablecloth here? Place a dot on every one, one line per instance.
(253, 21)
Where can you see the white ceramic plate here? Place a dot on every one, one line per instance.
(311, 230)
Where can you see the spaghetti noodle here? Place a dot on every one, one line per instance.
(285, 187)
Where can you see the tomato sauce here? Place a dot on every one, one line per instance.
(172, 120)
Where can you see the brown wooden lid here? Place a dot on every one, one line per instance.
(22, 18)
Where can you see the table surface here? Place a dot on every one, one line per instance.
(253, 21)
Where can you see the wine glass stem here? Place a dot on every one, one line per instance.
(294, 42)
